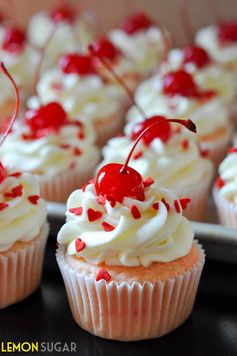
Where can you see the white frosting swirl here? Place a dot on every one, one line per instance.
(21, 220)
(21, 65)
(157, 236)
(212, 76)
(228, 173)
(170, 164)
(51, 154)
(145, 48)
(225, 54)
(87, 96)
(208, 117)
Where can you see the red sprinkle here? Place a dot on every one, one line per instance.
(101, 200)
(148, 181)
(94, 214)
(156, 206)
(232, 150)
(137, 155)
(107, 227)
(77, 211)
(204, 153)
(33, 199)
(184, 202)
(166, 204)
(185, 144)
(65, 146)
(79, 244)
(135, 212)
(177, 206)
(15, 192)
(76, 151)
(3, 206)
(219, 182)
(16, 174)
(81, 135)
(103, 274)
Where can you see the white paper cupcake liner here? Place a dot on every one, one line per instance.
(227, 211)
(21, 269)
(217, 148)
(127, 312)
(58, 188)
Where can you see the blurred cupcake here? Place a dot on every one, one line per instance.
(176, 94)
(70, 31)
(82, 92)
(142, 40)
(21, 61)
(168, 155)
(23, 237)
(225, 190)
(130, 267)
(61, 154)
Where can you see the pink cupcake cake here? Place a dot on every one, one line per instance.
(176, 94)
(171, 157)
(127, 256)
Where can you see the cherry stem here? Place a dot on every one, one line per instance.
(167, 42)
(118, 79)
(187, 123)
(17, 106)
(186, 21)
(42, 57)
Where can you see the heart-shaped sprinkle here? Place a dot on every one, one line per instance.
(15, 192)
(137, 155)
(135, 212)
(103, 274)
(16, 174)
(184, 202)
(219, 182)
(94, 214)
(177, 206)
(33, 199)
(79, 244)
(77, 211)
(166, 204)
(3, 206)
(107, 227)
(185, 144)
(148, 181)
(156, 206)
(76, 151)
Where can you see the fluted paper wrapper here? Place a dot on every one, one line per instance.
(20, 270)
(227, 211)
(105, 129)
(58, 188)
(127, 312)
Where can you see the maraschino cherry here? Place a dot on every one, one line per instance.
(3, 171)
(136, 22)
(106, 49)
(118, 181)
(13, 40)
(76, 63)
(227, 32)
(164, 133)
(63, 14)
(196, 55)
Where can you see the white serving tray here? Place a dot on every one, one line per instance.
(220, 242)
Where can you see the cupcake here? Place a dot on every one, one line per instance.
(75, 84)
(176, 94)
(170, 157)
(21, 61)
(225, 190)
(142, 40)
(61, 154)
(66, 30)
(127, 257)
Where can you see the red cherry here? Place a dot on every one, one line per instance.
(47, 118)
(62, 14)
(163, 132)
(14, 40)
(179, 82)
(136, 22)
(196, 55)
(77, 64)
(227, 32)
(105, 48)
(118, 184)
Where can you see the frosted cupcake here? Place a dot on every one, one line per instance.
(61, 154)
(127, 257)
(66, 30)
(82, 92)
(171, 157)
(225, 190)
(177, 95)
(140, 39)
(21, 61)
